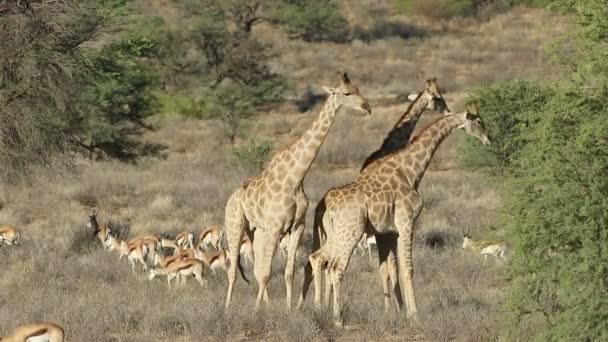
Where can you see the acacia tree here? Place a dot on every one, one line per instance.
(44, 78)
(557, 195)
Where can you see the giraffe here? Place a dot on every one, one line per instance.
(399, 136)
(430, 98)
(273, 203)
(384, 201)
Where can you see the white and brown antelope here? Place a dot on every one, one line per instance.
(246, 251)
(187, 253)
(183, 240)
(99, 231)
(181, 269)
(210, 236)
(9, 235)
(37, 332)
(496, 248)
(365, 244)
(135, 251)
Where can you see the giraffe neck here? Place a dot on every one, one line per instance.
(400, 135)
(295, 162)
(414, 160)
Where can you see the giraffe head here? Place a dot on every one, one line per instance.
(473, 124)
(347, 94)
(433, 94)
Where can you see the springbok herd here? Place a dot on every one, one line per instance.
(268, 210)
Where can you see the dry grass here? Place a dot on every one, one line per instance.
(60, 273)
(461, 53)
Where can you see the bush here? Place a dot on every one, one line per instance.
(313, 20)
(42, 72)
(436, 9)
(504, 107)
(119, 101)
(558, 186)
(253, 155)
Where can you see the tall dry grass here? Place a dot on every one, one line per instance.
(61, 273)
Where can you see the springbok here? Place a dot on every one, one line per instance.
(188, 253)
(181, 269)
(101, 232)
(37, 332)
(210, 236)
(183, 239)
(496, 248)
(9, 235)
(135, 251)
(365, 244)
(246, 251)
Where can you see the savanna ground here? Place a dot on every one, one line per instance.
(60, 273)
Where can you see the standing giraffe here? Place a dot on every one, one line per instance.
(384, 201)
(429, 99)
(274, 203)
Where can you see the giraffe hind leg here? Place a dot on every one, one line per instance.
(235, 223)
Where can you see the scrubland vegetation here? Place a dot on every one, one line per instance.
(153, 112)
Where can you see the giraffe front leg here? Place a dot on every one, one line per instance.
(393, 270)
(292, 250)
(383, 252)
(405, 214)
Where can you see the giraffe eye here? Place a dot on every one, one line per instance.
(347, 94)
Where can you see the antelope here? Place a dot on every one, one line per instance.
(189, 253)
(366, 243)
(9, 235)
(153, 242)
(134, 251)
(181, 268)
(283, 244)
(183, 239)
(37, 332)
(101, 232)
(220, 260)
(211, 236)
(496, 248)
(246, 251)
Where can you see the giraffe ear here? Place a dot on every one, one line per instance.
(412, 97)
(329, 90)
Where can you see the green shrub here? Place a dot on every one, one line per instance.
(42, 73)
(313, 20)
(119, 101)
(504, 107)
(557, 207)
(436, 9)
(253, 155)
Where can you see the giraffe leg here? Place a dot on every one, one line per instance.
(316, 261)
(305, 284)
(328, 286)
(264, 247)
(292, 248)
(406, 213)
(337, 269)
(234, 224)
(392, 271)
(383, 252)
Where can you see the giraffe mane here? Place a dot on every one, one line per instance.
(407, 111)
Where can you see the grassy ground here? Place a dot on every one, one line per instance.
(60, 273)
